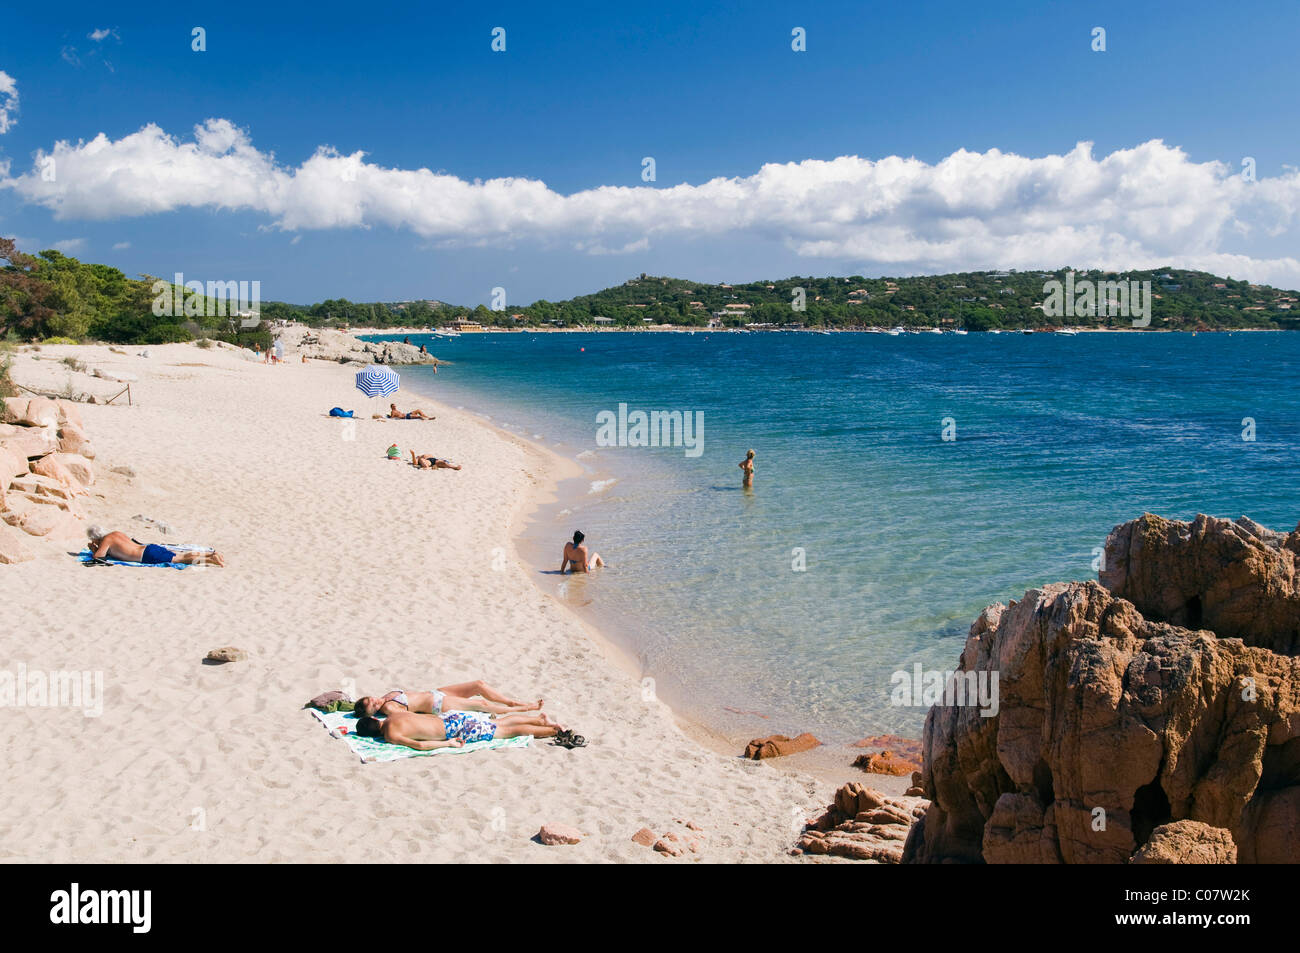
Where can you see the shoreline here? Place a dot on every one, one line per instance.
(829, 763)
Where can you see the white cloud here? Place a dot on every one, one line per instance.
(102, 34)
(8, 106)
(69, 246)
(121, 246)
(1141, 207)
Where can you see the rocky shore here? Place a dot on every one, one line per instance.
(1151, 718)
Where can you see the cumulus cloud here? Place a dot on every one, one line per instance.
(101, 34)
(1146, 206)
(8, 105)
(121, 246)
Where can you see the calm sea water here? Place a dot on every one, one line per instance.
(905, 536)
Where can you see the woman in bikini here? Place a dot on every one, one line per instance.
(747, 465)
(427, 461)
(464, 696)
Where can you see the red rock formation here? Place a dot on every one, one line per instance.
(885, 762)
(1112, 726)
(775, 746)
(863, 824)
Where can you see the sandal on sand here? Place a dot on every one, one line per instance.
(565, 738)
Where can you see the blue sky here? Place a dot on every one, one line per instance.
(584, 92)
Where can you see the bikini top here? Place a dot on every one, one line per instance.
(400, 698)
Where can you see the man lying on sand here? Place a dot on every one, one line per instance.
(396, 414)
(464, 696)
(427, 461)
(105, 545)
(576, 556)
(454, 729)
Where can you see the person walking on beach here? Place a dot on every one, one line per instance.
(454, 729)
(747, 465)
(576, 555)
(119, 546)
(464, 696)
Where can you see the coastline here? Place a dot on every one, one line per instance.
(240, 454)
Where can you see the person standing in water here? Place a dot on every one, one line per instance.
(747, 465)
(577, 557)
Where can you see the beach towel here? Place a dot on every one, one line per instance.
(343, 725)
(87, 557)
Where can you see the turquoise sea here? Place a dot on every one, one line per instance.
(905, 536)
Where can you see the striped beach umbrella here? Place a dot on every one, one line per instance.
(378, 381)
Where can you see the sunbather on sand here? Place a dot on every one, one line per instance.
(396, 414)
(427, 461)
(464, 696)
(454, 729)
(105, 545)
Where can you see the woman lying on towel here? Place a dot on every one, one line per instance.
(464, 696)
(454, 729)
(104, 545)
(427, 461)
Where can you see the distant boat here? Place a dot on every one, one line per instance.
(895, 332)
(933, 331)
(958, 331)
(994, 331)
(1026, 330)
(1068, 332)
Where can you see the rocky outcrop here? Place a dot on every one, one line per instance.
(326, 345)
(40, 480)
(1236, 579)
(1117, 720)
(863, 824)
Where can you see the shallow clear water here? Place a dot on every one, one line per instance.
(906, 536)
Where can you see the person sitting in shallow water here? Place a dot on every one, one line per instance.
(463, 696)
(106, 545)
(427, 461)
(417, 414)
(454, 729)
(576, 555)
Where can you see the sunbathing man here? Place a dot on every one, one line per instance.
(577, 557)
(454, 729)
(465, 696)
(104, 545)
(427, 461)
(396, 414)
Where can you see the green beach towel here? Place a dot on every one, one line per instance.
(343, 725)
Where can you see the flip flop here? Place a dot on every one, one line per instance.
(566, 738)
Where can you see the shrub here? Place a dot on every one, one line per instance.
(59, 340)
(166, 334)
(204, 343)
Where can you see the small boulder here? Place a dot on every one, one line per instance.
(32, 442)
(885, 762)
(553, 835)
(55, 470)
(76, 465)
(15, 409)
(39, 412)
(226, 654)
(1187, 842)
(645, 837)
(775, 746)
(70, 414)
(664, 846)
(72, 439)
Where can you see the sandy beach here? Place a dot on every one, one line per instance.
(343, 571)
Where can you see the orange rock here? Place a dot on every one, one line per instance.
(775, 746)
(885, 762)
(645, 837)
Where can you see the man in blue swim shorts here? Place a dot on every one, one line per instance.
(119, 546)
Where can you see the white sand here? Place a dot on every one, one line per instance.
(343, 570)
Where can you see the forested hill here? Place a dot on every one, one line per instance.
(1183, 300)
(52, 295)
